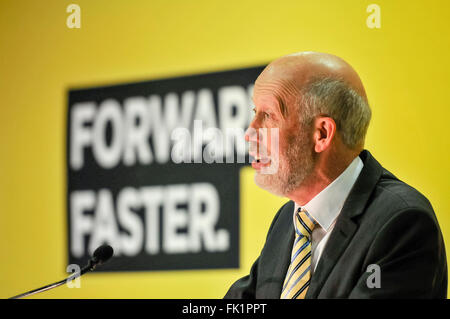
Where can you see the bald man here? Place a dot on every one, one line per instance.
(351, 229)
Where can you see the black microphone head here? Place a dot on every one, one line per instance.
(102, 254)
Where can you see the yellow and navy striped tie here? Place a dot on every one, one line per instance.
(298, 275)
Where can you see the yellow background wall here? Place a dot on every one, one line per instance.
(404, 65)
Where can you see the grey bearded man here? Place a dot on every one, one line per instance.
(346, 214)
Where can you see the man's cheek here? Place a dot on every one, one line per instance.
(274, 139)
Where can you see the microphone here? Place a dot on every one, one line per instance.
(100, 256)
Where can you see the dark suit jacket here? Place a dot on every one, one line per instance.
(384, 222)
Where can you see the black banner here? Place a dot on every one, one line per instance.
(153, 171)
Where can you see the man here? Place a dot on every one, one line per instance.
(351, 229)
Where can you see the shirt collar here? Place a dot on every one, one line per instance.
(326, 206)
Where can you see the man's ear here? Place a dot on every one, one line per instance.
(324, 131)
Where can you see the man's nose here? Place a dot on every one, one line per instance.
(251, 133)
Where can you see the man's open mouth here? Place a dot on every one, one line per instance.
(259, 161)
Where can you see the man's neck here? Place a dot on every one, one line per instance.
(325, 171)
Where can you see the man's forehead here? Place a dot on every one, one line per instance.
(266, 98)
(281, 84)
(274, 95)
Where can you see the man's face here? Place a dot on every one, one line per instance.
(292, 152)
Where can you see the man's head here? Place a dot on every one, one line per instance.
(319, 106)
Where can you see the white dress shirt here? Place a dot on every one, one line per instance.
(326, 206)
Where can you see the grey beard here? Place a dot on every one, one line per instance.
(293, 168)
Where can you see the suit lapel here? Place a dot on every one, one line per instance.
(338, 241)
(345, 226)
(280, 259)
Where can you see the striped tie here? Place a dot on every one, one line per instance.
(298, 275)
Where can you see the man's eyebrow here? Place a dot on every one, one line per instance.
(282, 108)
